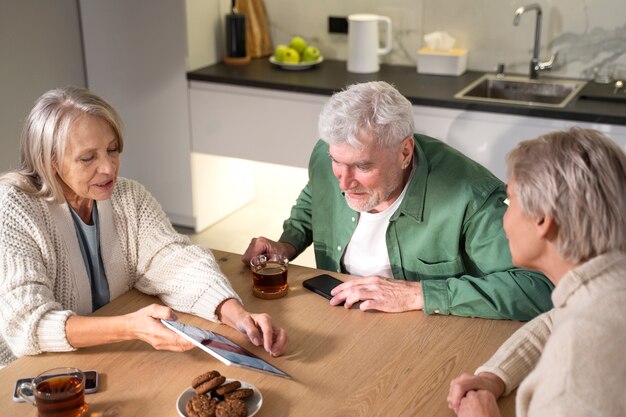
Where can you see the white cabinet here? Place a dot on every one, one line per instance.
(488, 137)
(281, 127)
(253, 123)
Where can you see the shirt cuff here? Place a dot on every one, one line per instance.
(435, 295)
(294, 238)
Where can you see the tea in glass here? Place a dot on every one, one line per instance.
(269, 274)
(59, 392)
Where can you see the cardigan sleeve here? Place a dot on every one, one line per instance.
(519, 355)
(185, 276)
(32, 320)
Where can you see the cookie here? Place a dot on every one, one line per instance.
(226, 388)
(200, 406)
(200, 379)
(239, 394)
(210, 384)
(231, 408)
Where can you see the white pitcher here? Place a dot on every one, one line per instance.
(363, 46)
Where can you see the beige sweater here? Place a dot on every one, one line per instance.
(571, 361)
(43, 279)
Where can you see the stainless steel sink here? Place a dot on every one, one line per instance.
(546, 92)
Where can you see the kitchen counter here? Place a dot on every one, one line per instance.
(420, 89)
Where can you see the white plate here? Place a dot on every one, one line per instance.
(253, 403)
(297, 66)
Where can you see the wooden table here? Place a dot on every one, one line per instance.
(343, 362)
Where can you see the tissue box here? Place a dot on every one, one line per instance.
(453, 62)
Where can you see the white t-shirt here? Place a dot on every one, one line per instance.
(366, 253)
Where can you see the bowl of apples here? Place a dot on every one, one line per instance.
(298, 55)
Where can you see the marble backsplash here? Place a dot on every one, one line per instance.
(588, 34)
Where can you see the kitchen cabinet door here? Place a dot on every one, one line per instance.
(488, 137)
(253, 123)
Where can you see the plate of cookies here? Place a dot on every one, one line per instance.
(213, 395)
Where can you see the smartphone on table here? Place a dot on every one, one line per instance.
(91, 385)
(322, 285)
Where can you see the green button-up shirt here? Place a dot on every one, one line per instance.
(447, 234)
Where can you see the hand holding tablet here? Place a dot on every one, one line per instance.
(222, 348)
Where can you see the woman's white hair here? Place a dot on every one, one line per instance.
(44, 136)
(375, 108)
(577, 176)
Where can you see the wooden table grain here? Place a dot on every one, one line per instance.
(342, 362)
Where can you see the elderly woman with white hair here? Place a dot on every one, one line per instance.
(567, 218)
(74, 236)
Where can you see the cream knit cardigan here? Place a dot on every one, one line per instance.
(43, 279)
(572, 359)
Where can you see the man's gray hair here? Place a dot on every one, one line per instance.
(577, 176)
(44, 138)
(375, 108)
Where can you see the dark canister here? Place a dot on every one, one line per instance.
(235, 35)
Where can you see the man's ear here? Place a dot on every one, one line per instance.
(546, 227)
(408, 144)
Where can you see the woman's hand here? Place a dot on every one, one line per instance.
(479, 404)
(461, 386)
(259, 328)
(144, 324)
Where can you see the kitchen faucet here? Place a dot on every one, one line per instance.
(535, 65)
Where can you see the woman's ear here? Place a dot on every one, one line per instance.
(546, 227)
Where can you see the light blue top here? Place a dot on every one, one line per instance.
(89, 242)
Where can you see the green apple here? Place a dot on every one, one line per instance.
(279, 52)
(298, 44)
(311, 54)
(291, 56)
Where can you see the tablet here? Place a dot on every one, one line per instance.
(222, 348)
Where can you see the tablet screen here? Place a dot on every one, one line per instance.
(222, 348)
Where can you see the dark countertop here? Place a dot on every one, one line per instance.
(427, 90)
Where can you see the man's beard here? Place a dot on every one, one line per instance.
(374, 199)
(361, 205)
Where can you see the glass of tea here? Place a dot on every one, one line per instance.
(58, 392)
(269, 274)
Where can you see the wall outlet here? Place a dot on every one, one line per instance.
(337, 24)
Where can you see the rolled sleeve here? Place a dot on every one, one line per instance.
(51, 335)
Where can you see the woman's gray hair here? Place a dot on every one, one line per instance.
(375, 108)
(44, 136)
(577, 176)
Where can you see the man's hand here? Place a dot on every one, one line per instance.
(461, 386)
(261, 245)
(378, 293)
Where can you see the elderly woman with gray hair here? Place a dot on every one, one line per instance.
(566, 218)
(74, 236)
